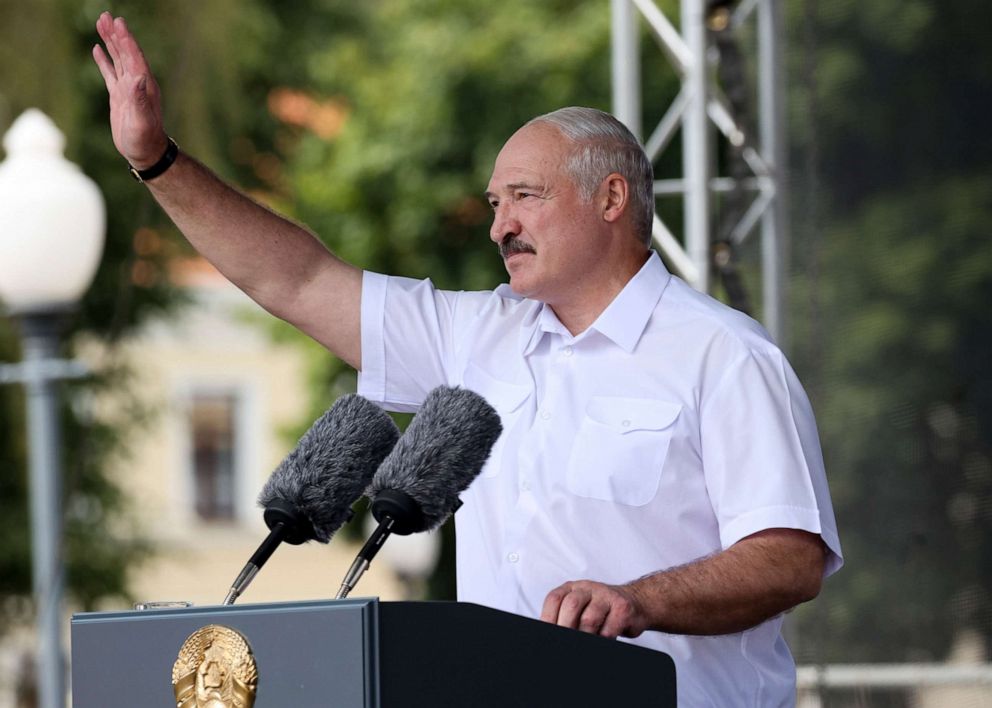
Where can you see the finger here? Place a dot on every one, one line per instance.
(137, 90)
(614, 624)
(593, 616)
(106, 68)
(572, 607)
(552, 603)
(130, 52)
(105, 26)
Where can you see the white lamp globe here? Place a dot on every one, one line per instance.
(52, 220)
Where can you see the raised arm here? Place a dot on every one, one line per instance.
(278, 263)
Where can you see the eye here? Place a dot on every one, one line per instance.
(493, 203)
(523, 195)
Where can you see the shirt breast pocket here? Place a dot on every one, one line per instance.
(508, 400)
(620, 449)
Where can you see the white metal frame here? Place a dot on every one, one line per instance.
(697, 109)
(909, 676)
(972, 683)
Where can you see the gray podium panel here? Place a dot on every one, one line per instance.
(365, 654)
(309, 654)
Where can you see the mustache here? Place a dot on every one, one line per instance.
(511, 245)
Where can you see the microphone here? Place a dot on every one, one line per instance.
(417, 486)
(309, 495)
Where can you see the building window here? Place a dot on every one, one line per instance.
(213, 431)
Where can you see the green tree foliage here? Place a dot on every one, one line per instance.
(45, 63)
(428, 92)
(892, 328)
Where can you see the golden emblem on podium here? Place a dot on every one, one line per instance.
(215, 669)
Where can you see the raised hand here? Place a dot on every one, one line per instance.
(135, 101)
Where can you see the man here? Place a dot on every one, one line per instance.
(659, 475)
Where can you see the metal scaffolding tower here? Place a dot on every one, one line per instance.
(756, 163)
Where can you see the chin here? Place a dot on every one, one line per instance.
(521, 288)
(525, 279)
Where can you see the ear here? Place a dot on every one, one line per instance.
(616, 197)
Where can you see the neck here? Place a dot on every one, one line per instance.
(586, 304)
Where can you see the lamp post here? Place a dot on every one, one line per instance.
(52, 225)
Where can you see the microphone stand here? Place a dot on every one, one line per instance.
(286, 523)
(364, 558)
(257, 560)
(397, 512)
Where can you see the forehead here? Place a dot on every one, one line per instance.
(535, 153)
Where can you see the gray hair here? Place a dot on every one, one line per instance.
(603, 145)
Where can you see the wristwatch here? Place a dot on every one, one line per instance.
(164, 163)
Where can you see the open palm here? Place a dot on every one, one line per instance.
(135, 101)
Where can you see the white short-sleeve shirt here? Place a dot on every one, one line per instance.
(667, 431)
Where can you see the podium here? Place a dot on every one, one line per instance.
(362, 653)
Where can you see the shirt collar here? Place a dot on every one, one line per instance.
(624, 319)
(532, 333)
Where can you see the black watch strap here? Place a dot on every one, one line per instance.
(164, 163)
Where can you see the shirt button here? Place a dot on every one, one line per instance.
(545, 415)
(625, 423)
(567, 351)
(513, 557)
(525, 485)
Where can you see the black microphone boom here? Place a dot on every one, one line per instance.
(417, 486)
(309, 495)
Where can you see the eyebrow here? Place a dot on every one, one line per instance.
(513, 186)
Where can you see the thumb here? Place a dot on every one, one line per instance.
(141, 90)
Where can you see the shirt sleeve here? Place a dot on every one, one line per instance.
(761, 454)
(410, 331)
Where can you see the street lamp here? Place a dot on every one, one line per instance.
(52, 225)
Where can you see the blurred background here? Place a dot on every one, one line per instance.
(376, 123)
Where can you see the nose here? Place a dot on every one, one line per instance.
(504, 224)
